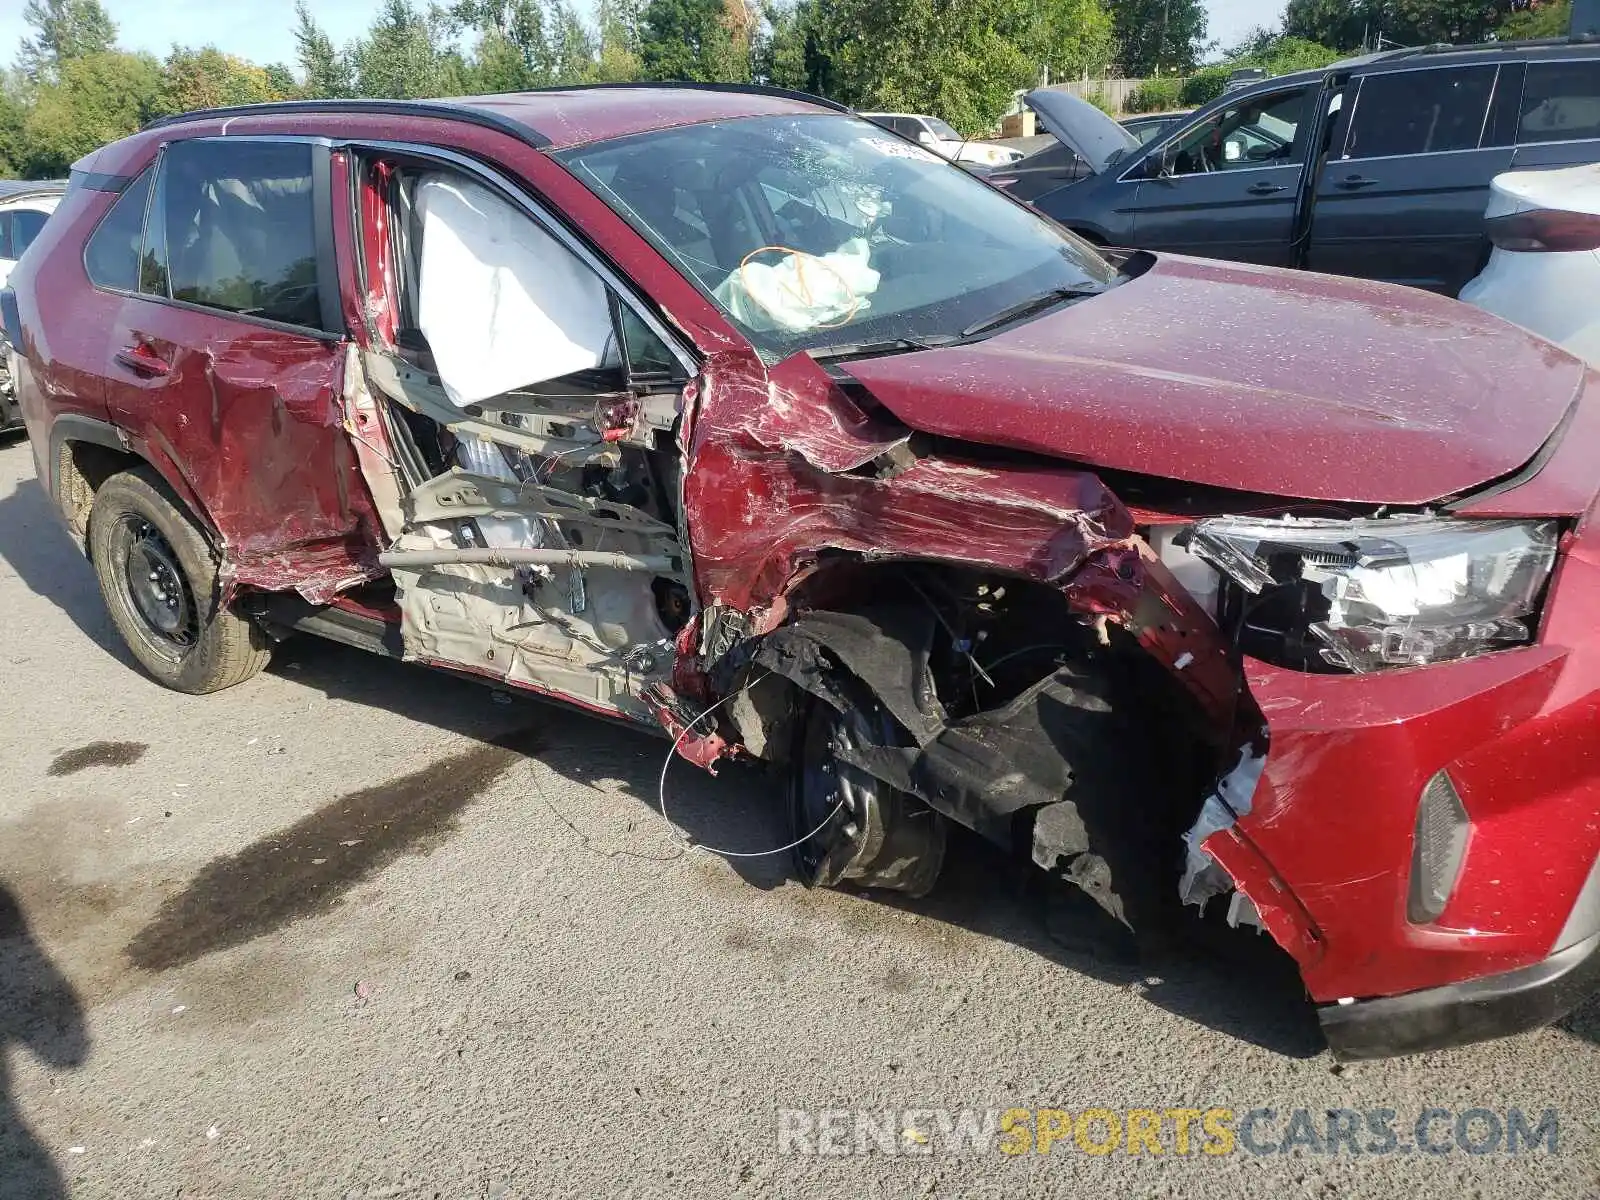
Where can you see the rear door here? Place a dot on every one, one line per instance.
(1558, 119)
(1228, 185)
(226, 355)
(1403, 200)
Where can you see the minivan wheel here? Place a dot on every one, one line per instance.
(159, 581)
(877, 837)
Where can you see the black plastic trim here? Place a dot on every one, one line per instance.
(471, 114)
(438, 109)
(74, 427)
(1462, 1013)
(100, 181)
(738, 89)
(322, 222)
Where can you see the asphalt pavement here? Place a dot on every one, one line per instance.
(357, 929)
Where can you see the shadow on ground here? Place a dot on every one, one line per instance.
(35, 544)
(1232, 980)
(40, 1012)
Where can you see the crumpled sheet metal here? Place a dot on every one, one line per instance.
(1030, 775)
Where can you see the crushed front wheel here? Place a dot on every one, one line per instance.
(876, 836)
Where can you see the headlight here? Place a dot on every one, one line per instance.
(1393, 591)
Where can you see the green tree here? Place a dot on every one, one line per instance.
(208, 78)
(617, 24)
(693, 39)
(572, 48)
(404, 55)
(97, 98)
(1159, 36)
(328, 73)
(63, 30)
(1550, 19)
(14, 107)
(962, 60)
(1072, 37)
(1353, 24)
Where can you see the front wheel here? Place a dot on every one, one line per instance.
(159, 581)
(876, 836)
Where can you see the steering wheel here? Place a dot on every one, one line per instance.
(801, 289)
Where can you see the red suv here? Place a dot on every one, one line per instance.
(726, 413)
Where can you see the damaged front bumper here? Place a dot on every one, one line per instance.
(1325, 845)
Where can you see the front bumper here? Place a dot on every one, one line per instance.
(1325, 848)
(1458, 1013)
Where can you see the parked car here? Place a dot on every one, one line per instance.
(24, 208)
(1055, 163)
(1243, 78)
(1148, 126)
(1544, 273)
(718, 412)
(939, 137)
(1377, 167)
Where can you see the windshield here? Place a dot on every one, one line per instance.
(818, 231)
(941, 130)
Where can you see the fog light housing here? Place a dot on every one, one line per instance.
(1437, 848)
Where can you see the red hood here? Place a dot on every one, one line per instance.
(1270, 381)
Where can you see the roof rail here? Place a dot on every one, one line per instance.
(456, 109)
(389, 108)
(750, 89)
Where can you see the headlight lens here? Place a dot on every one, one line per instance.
(1399, 591)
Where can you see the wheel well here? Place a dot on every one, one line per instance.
(81, 468)
(994, 635)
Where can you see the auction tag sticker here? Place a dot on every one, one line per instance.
(895, 149)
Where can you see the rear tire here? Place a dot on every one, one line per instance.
(159, 579)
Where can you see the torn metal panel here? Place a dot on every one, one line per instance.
(495, 610)
(254, 416)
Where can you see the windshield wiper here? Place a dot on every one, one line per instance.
(838, 350)
(1031, 305)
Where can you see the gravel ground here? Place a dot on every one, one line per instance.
(355, 930)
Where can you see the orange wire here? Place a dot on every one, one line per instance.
(804, 295)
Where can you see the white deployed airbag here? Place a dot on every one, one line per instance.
(502, 303)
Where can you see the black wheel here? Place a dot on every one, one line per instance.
(159, 580)
(878, 837)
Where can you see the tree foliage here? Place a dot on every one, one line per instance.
(63, 30)
(1353, 24)
(1159, 36)
(963, 60)
(1550, 19)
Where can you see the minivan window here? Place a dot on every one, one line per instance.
(1420, 112)
(239, 227)
(1260, 132)
(112, 255)
(1560, 102)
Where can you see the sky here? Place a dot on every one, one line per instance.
(262, 30)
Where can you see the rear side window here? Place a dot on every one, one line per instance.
(112, 255)
(25, 226)
(237, 229)
(1420, 112)
(1560, 102)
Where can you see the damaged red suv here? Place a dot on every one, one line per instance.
(726, 413)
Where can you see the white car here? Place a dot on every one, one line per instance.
(1544, 271)
(939, 137)
(24, 208)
